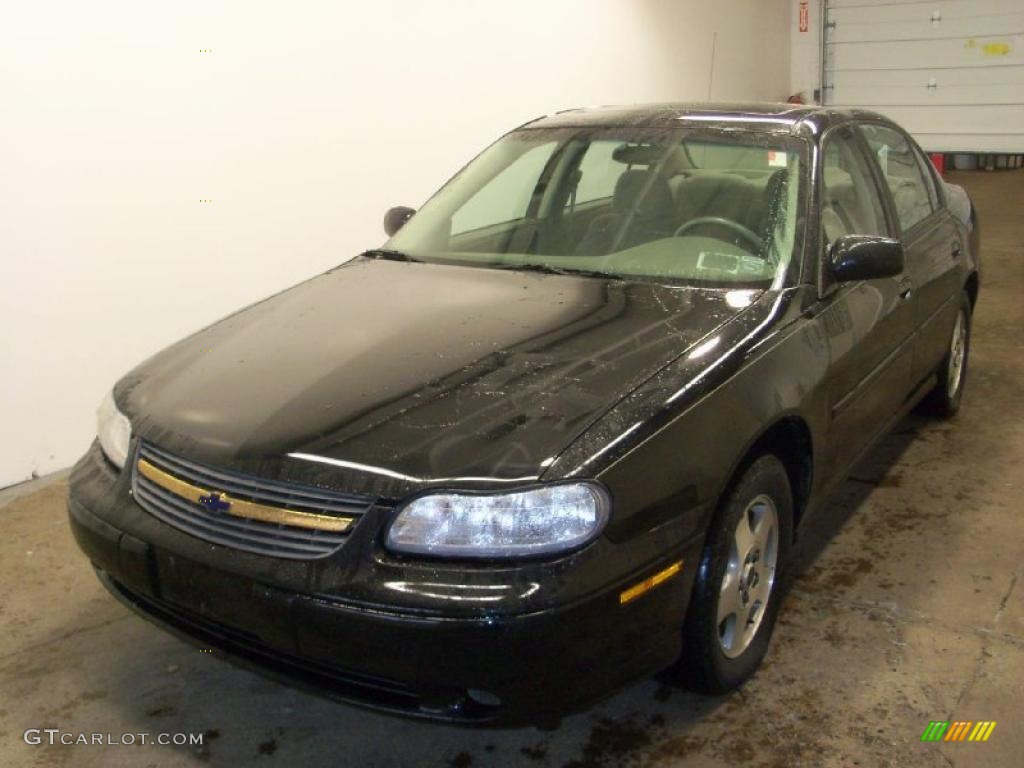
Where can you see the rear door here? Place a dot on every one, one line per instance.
(870, 323)
(930, 236)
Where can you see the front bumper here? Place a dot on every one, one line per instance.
(525, 663)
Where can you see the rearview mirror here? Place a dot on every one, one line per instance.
(396, 217)
(865, 257)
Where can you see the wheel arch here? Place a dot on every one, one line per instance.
(971, 286)
(789, 439)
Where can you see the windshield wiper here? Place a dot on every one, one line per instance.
(548, 269)
(388, 254)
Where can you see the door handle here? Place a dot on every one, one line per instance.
(906, 288)
(955, 250)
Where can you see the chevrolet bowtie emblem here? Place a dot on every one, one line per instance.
(215, 502)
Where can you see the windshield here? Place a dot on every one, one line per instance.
(704, 207)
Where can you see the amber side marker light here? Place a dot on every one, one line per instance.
(650, 583)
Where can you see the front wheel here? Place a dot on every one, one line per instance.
(944, 400)
(736, 595)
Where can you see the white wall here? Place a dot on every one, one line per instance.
(303, 123)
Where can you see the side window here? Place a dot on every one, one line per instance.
(925, 166)
(849, 197)
(913, 191)
(598, 172)
(492, 203)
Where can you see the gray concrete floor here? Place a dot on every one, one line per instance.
(908, 607)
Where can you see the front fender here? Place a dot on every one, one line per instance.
(671, 447)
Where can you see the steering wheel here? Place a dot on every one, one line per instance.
(749, 235)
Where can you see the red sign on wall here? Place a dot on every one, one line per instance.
(803, 15)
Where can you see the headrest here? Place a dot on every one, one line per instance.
(835, 177)
(657, 197)
(832, 224)
(715, 182)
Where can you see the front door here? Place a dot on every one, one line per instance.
(870, 324)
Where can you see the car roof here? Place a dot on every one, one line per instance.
(764, 116)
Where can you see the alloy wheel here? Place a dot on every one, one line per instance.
(749, 576)
(957, 350)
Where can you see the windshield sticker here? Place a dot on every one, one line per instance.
(776, 159)
(730, 263)
(718, 262)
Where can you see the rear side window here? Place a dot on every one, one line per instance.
(913, 191)
(849, 200)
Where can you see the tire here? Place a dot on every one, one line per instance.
(944, 400)
(719, 655)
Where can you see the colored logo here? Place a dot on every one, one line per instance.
(959, 730)
(215, 502)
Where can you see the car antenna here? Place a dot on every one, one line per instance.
(711, 70)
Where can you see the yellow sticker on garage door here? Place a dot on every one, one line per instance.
(996, 49)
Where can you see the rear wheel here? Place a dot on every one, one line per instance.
(944, 400)
(736, 595)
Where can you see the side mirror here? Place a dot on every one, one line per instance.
(865, 257)
(396, 217)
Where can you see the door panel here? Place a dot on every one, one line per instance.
(869, 327)
(932, 262)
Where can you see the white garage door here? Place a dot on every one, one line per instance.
(949, 71)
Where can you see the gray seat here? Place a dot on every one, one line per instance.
(642, 210)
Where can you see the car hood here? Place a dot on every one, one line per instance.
(384, 377)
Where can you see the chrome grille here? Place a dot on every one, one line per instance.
(239, 532)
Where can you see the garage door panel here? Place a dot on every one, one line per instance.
(870, 3)
(978, 77)
(923, 29)
(921, 95)
(999, 50)
(955, 119)
(939, 15)
(998, 143)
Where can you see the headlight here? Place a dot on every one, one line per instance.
(114, 430)
(533, 522)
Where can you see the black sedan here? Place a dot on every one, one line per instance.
(558, 433)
